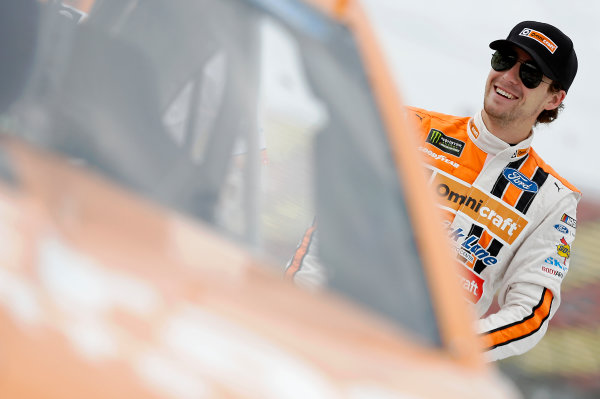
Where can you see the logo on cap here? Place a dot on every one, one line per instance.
(540, 37)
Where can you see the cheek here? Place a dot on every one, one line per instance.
(539, 101)
(492, 78)
(541, 96)
(489, 81)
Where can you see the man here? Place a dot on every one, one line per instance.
(510, 217)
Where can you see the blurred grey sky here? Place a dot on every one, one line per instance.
(439, 52)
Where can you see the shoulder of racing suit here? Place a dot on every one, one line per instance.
(425, 118)
(551, 171)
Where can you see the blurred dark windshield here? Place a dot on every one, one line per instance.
(253, 116)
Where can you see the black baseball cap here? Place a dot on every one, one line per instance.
(550, 48)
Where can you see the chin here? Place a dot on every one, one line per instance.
(493, 112)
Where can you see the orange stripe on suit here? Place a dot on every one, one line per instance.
(523, 328)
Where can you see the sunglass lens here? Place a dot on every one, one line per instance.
(502, 61)
(530, 75)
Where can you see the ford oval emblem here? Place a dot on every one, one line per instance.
(520, 180)
(561, 228)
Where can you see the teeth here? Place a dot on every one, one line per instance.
(503, 93)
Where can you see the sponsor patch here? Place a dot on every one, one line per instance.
(556, 263)
(472, 285)
(471, 250)
(553, 272)
(474, 130)
(558, 188)
(519, 153)
(569, 220)
(449, 145)
(438, 157)
(561, 228)
(501, 221)
(519, 180)
(563, 250)
(540, 38)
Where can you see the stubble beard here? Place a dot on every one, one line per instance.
(500, 118)
(507, 117)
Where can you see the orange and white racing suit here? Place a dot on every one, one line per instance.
(510, 218)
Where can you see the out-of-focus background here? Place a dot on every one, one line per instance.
(439, 52)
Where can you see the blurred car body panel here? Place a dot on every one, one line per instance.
(123, 274)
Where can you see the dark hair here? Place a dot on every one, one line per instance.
(547, 116)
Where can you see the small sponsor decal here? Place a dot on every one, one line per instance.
(553, 272)
(563, 250)
(472, 285)
(519, 153)
(465, 255)
(518, 179)
(569, 220)
(438, 157)
(561, 228)
(556, 263)
(449, 145)
(540, 38)
(474, 130)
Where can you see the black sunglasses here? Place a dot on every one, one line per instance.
(530, 73)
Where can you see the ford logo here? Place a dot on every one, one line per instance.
(520, 180)
(561, 228)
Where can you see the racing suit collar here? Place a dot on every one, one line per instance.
(486, 141)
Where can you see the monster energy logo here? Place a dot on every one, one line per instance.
(447, 144)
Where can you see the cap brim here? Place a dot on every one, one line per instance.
(502, 43)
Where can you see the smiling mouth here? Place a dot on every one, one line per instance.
(504, 93)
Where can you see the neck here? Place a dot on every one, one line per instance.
(508, 131)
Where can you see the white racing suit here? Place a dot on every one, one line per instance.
(510, 218)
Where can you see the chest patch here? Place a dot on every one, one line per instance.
(519, 180)
(448, 144)
(502, 221)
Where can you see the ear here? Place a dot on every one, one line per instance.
(555, 99)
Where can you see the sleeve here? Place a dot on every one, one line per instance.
(529, 294)
(305, 268)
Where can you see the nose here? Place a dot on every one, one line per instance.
(512, 74)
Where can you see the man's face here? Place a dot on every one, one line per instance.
(508, 102)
